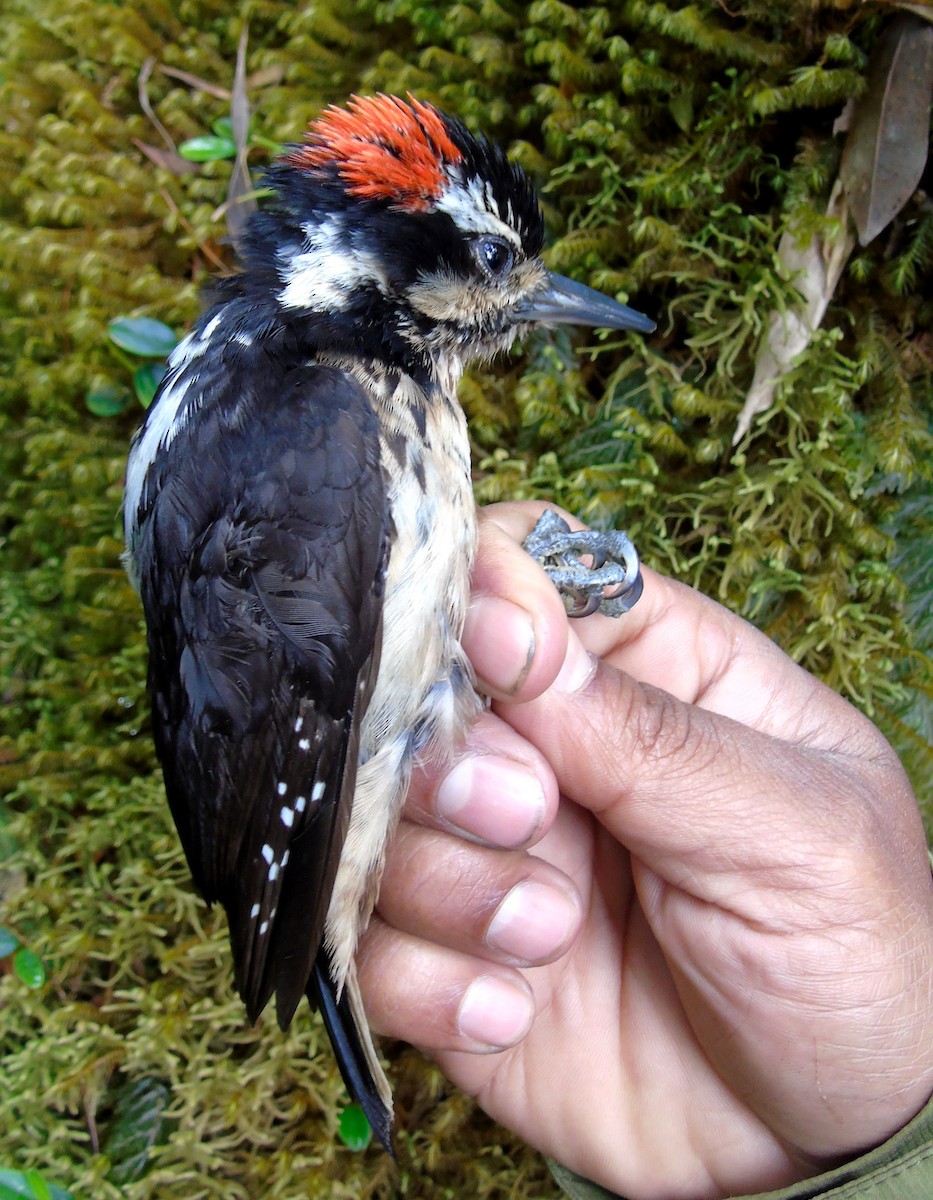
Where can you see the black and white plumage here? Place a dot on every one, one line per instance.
(301, 529)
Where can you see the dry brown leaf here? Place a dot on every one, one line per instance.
(241, 200)
(168, 160)
(923, 8)
(265, 77)
(889, 133)
(259, 79)
(142, 88)
(814, 269)
(883, 160)
(196, 82)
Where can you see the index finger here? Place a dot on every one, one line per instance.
(680, 641)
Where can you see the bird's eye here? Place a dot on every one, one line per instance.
(493, 255)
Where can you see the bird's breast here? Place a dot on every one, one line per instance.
(425, 687)
(423, 697)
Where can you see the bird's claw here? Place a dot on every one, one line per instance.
(611, 584)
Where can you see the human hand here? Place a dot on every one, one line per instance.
(713, 976)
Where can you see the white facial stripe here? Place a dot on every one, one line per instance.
(329, 271)
(471, 206)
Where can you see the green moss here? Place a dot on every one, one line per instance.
(673, 144)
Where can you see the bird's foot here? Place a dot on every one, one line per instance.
(610, 584)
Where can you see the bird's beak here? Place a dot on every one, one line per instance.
(565, 302)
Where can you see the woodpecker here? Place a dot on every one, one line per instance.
(301, 529)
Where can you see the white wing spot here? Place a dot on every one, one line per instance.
(285, 858)
(288, 816)
(264, 929)
(177, 400)
(304, 744)
(273, 872)
(298, 724)
(317, 791)
(300, 804)
(268, 853)
(282, 788)
(254, 912)
(209, 328)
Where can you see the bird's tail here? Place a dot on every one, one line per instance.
(348, 1029)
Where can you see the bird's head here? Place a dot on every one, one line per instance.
(393, 224)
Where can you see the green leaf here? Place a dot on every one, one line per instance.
(680, 106)
(16, 1184)
(8, 941)
(107, 402)
(146, 380)
(354, 1129)
(29, 968)
(142, 336)
(40, 1189)
(138, 1124)
(207, 148)
(223, 128)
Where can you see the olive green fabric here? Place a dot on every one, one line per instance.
(900, 1169)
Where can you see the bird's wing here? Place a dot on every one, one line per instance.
(261, 562)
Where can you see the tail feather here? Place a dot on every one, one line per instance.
(348, 1029)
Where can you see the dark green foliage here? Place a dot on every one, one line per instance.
(673, 143)
(138, 1123)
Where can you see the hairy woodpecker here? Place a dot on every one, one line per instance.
(301, 529)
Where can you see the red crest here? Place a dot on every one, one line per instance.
(383, 149)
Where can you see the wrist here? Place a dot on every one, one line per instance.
(901, 1168)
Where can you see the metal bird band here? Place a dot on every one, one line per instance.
(610, 584)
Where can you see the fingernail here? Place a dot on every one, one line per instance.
(499, 637)
(533, 923)
(578, 668)
(494, 1013)
(497, 800)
